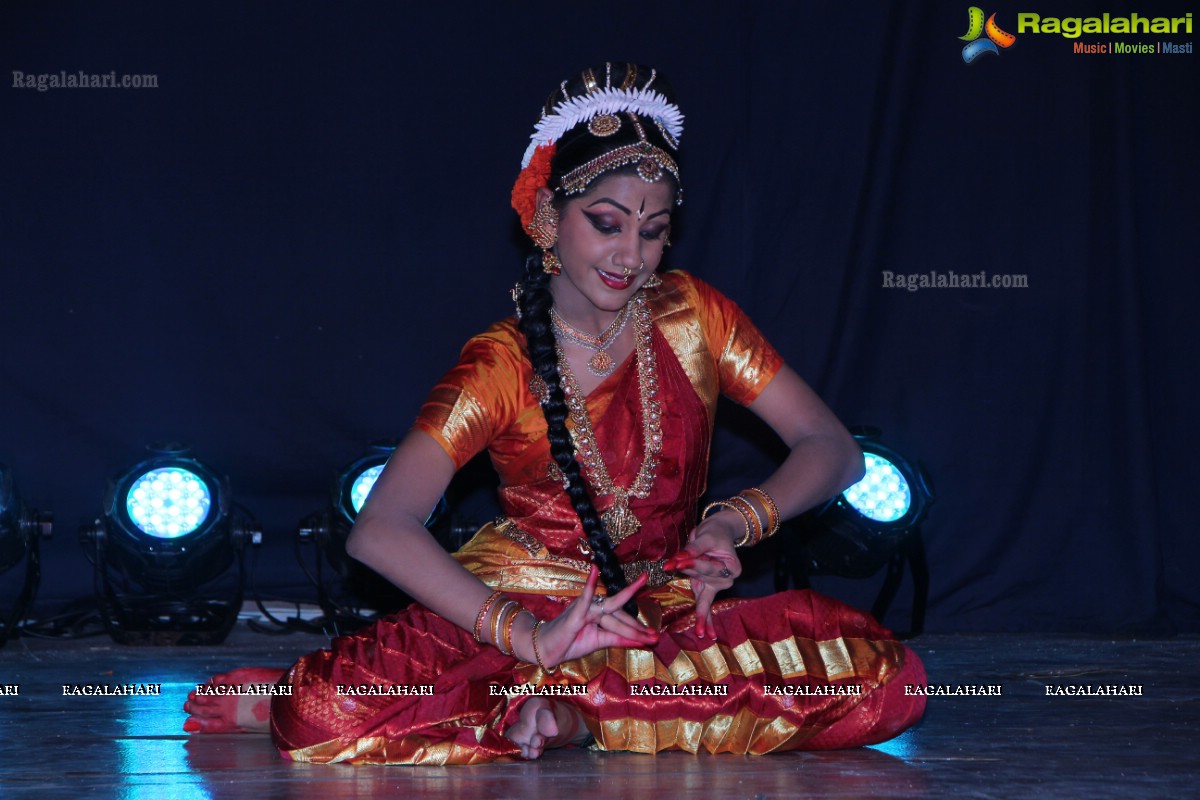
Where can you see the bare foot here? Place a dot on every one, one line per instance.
(538, 728)
(232, 713)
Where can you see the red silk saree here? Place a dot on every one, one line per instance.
(794, 670)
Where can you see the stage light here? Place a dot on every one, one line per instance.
(883, 494)
(355, 481)
(355, 591)
(165, 549)
(21, 530)
(361, 486)
(874, 522)
(169, 502)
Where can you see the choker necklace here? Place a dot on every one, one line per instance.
(601, 364)
(619, 521)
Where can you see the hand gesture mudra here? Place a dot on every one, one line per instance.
(710, 561)
(593, 622)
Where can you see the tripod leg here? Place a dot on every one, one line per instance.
(887, 592)
(920, 572)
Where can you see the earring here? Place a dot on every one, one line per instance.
(653, 282)
(543, 228)
(667, 238)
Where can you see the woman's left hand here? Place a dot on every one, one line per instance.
(713, 565)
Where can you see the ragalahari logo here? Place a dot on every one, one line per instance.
(976, 27)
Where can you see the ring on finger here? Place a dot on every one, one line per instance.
(598, 602)
(725, 573)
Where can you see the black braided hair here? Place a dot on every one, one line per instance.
(575, 148)
(536, 302)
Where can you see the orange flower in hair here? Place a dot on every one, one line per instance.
(533, 177)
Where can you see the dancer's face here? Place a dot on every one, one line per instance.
(610, 242)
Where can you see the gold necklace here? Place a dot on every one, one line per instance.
(619, 520)
(601, 364)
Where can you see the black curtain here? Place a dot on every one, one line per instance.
(274, 253)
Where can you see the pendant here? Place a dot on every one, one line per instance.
(620, 522)
(601, 364)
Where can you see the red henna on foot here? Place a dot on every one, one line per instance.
(231, 713)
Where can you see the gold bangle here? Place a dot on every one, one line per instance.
(747, 508)
(483, 609)
(773, 518)
(732, 507)
(507, 649)
(754, 529)
(537, 653)
(498, 624)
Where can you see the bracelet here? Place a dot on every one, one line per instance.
(512, 624)
(498, 623)
(537, 653)
(507, 648)
(756, 529)
(773, 518)
(754, 524)
(746, 517)
(483, 610)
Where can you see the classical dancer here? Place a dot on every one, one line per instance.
(585, 615)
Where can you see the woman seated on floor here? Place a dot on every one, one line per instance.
(595, 403)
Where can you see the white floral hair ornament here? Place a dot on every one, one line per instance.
(569, 113)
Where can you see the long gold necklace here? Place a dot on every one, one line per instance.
(619, 520)
(601, 364)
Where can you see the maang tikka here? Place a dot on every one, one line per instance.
(543, 228)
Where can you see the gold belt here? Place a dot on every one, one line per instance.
(632, 569)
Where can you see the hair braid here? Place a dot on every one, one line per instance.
(573, 149)
(535, 302)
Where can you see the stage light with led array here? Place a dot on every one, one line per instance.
(166, 549)
(875, 522)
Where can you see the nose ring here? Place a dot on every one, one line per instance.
(626, 272)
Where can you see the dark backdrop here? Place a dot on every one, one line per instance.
(277, 251)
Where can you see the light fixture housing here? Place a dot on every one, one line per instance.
(12, 529)
(356, 479)
(857, 532)
(164, 551)
(875, 522)
(168, 517)
(21, 531)
(355, 592)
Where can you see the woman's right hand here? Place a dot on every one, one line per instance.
(591, 622)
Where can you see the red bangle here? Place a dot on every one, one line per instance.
(512, 624)
(483, 609)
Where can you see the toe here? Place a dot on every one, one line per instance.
(547, 725)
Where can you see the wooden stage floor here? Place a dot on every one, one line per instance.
(1023, 743)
